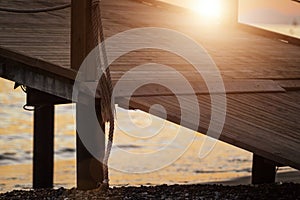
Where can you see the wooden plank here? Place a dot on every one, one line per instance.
(81, 36)
(270, 34)
(159, 86)
(289, 84)
(247, 62)
(12, 56)
(240, 128)
(162, 5)
(37, 79)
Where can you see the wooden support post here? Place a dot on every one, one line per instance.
(231, 12)
(89, 168)
(43, 146)
(81, 36)
(263, 170)
(43, 136)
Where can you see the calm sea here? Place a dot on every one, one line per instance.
(223, 163)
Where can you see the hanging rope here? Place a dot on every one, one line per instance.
(35, 10)
(105, 87)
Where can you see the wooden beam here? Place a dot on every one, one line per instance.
(89, 168)
(43, 146)
(43, 80)
(81, 34)
(231, 87)
(10, 57)
(289, 85)
(36, 97)
(246, 116)
(269, 34)
(263, 170)
(231, 12)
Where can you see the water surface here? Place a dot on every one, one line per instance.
(223, 163)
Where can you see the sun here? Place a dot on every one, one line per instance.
(208, 8)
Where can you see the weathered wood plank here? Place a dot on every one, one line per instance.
(157, 86)
(47, 67)
(38, 79)
(249, 63)
(289, 84)
(270, 34)
(241, 128)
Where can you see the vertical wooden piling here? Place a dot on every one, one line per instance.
(43, 146)
(231, 12)
(43, 136)
(263, 170)
(89, 168)
(81, 35)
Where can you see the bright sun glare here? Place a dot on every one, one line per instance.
(208, 8)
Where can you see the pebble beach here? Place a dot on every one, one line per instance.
(273, 191)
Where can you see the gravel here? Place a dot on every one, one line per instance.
(267, 191)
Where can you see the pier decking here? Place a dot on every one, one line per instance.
(261, 73)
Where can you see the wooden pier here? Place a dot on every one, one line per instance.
(261, 72)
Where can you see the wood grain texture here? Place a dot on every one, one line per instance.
(166, 86)
(266, 124)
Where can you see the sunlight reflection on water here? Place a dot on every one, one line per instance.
(16, 148)
(225, 162)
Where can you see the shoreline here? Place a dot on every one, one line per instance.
(19, 176)
(66, 178)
